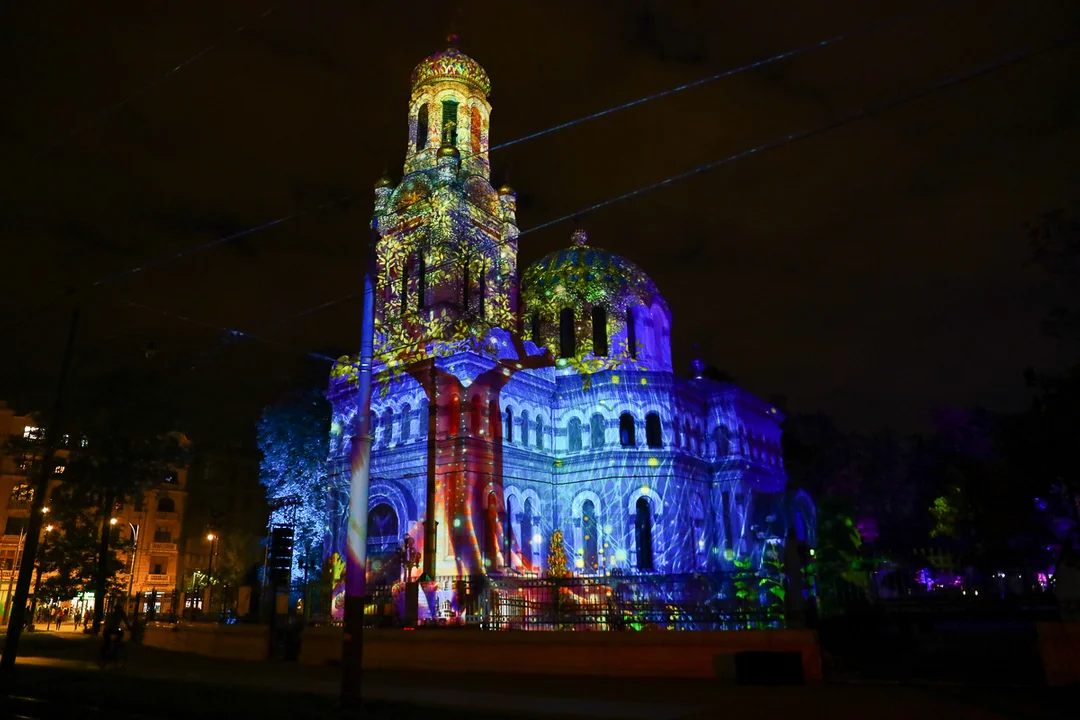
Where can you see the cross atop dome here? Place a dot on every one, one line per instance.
(579, 238)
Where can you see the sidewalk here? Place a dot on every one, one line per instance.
(61, 664)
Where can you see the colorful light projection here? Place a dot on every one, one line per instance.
(579, 430)
(451, 64)
(596, 310)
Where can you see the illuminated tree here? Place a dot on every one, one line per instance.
(557, 556)
(294, 439)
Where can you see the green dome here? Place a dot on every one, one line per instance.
(582, 275)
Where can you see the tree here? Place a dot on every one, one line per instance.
(293, 436)
(124, 442)
(557, 556)
(237, 555)
(70, 554)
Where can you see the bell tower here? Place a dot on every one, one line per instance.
(447, 248)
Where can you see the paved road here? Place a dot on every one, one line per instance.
(57, 678)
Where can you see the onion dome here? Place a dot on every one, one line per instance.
(448, 151)
(451, 64)
(585, 276)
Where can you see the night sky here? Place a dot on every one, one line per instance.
(872, 272)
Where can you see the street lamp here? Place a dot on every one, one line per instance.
(210, 572)
(37, 583)
(134, 555)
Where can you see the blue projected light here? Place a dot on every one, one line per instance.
(542, 414)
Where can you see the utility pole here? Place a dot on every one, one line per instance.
(352, 652)
(33, 531)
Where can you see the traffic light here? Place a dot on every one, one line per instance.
(280, 557)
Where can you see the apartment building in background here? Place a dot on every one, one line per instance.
(154, 520)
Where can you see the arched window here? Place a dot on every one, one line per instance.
(631, 333)
(481, 289)
(405, 283)
(509, 424)
(573, 435)
(525, 429)
(421, 282)
(475, 129)
(534, 329)
(406, 423)
(599, 331)
(509, 536)
(422, 129)
(491, 533)
(527, 545)
(166, 505)
(382, 522)
(567, 341)
(596, 431)
(588, 534)
(387, 426)
(449, 122)
(422, 418)
(654, 437)
(539, 432)
(689, 434)
(697, 516)
(494, 416)
(720, 439)
(476, 415)
(626, 430)
(643, 534)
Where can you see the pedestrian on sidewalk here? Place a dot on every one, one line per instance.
(77, 618)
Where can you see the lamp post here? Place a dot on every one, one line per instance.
(210, 571)
(134, 554)
(37, 582)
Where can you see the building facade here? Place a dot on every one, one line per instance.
(151, 523)
(510, 406)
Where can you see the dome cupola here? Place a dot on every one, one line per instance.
(451, 64)
(584, 302)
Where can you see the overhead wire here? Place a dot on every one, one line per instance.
(146, 87)
(863, 30)
(867, 111)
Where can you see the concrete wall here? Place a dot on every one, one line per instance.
(1059, 645)
(627, 654)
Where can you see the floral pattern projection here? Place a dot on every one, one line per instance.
(556, 414)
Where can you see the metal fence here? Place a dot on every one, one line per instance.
(715, 601)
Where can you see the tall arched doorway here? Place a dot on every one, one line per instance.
(589, 537)
(643, 534)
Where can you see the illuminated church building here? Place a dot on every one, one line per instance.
(509, 404)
